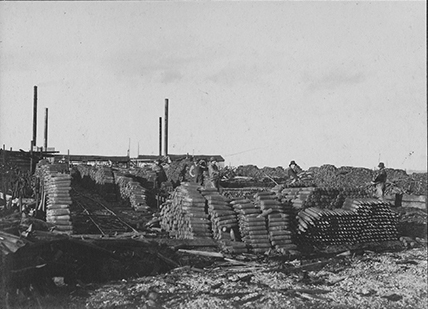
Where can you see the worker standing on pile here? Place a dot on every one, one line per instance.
(160, 174)
(183, 173)
(213, 172)
(293, 171)
(197, 171)
(379, 180)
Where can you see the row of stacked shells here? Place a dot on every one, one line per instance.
(240, 225)
(358, 221)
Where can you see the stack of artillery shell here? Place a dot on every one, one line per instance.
(223, 217)
(278, 220)
(380, 222)
(297, 196)
(57, 188)
(224, 222)
(132, 190)
(359, 221)
(252, 227)
(332, 197)
(184, 215)
(103, 177)
(106, 183)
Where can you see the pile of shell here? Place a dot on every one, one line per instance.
(184, 216)
(380, 223)
(242, 193)
(295, 196)
(359, 221)
(332, 198)
(224, 222)
(252, 226)
(223, 218)
(56, 188)
(278, 220)
(132, 190)
(103, 178)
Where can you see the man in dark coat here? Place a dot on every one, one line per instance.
(379, 180)
(293, 171)
(160, 174)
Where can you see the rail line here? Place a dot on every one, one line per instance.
(104, 220)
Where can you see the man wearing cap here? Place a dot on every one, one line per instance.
(379, 180)
(293, 171)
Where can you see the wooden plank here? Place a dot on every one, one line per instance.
(414, 198)
(420, 205)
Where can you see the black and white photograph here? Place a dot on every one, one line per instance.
(213, 154)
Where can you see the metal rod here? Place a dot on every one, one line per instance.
(46, 129)
(35, 117)
(160, 136)
(165, 146)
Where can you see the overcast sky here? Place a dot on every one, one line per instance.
(261, 83)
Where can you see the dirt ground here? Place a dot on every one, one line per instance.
(370, 280)
(364, 280)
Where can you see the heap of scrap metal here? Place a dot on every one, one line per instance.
(184, 216)
(358, 221)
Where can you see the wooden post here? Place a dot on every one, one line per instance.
(4, 175)
(160, 136)
(165, 146)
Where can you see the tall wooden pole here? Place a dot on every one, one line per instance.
(165, 146)
(4, 189)
(35, 117)
(160, 136)
(46, 130)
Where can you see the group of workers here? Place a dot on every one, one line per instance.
(200, 172)
(203, 173)
(208, 174)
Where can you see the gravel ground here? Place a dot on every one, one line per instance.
(370, 280)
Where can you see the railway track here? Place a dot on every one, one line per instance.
(90, 216)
